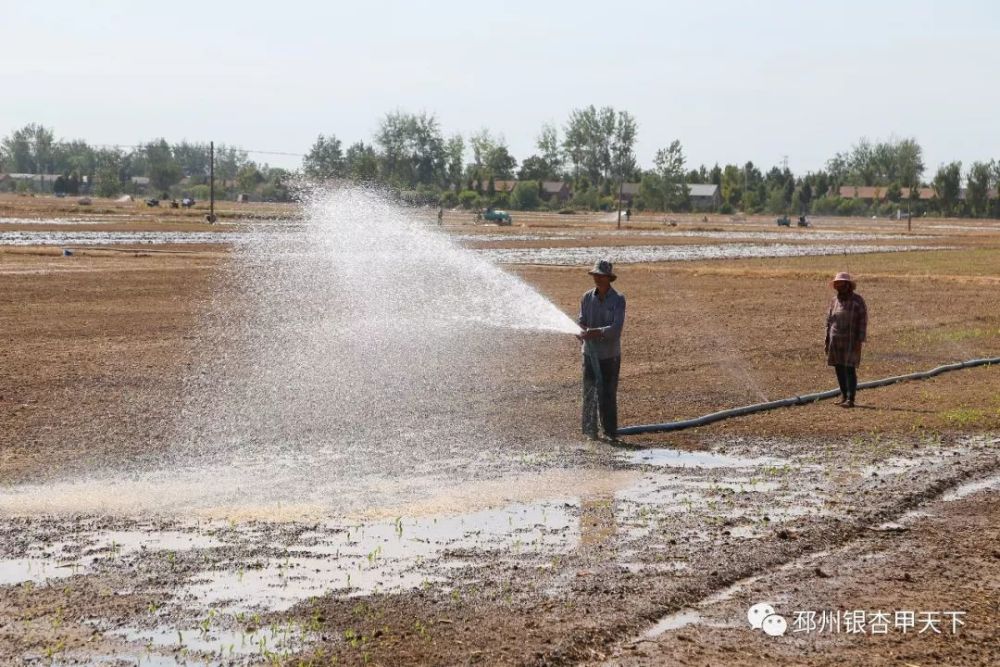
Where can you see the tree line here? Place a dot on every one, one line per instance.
(108, 171)
(593, 151)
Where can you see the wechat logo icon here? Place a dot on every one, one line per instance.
(762, 617)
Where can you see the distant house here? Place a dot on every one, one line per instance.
(629, 191)
(872, 193)
(38, 182)
(990, 194)
(36, 178)
(704, 196)
(559, 190)
(141, 181)
(498, 186)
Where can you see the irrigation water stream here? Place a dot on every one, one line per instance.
(351, 361)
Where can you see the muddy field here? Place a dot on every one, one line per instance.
(555, 551)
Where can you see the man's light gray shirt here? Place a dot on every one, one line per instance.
(608, 316)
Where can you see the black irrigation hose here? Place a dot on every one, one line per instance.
(798, 400)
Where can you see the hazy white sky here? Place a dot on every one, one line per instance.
(732, 80)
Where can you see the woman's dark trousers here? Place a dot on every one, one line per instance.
(847, 378)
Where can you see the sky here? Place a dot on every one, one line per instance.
(733, 81)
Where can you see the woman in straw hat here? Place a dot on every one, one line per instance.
(846, 329)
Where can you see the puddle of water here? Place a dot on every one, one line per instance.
(218, 642)
(636, 254)
(113, 238)
(969, 488)
(18, 570)
(79, 553)
(674, 621)
(130, 659)
(59, 221)
(693, 233)
(981, 228)
(898, 465)
(671, 566)
(685, 617)
(383, 556)
(334, 557)
(493, 237)
(676, 458)
(745, 532)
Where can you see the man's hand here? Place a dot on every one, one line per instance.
(589, 334)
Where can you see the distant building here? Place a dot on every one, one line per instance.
(872, 193)
(498, 186)
(37, 182)
(558, 190)
(704, 196)
(629, 192)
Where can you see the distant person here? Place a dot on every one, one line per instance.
(602, 316)
(846, 329)
(628, 214)
(441, 215)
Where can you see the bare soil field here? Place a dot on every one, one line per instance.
(576, 559)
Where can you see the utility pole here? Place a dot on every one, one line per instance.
(211, 183)
(909, 208)
(621, 189)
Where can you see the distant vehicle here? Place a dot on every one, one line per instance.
(152, 202)
(499, 217)
(783, 221)
(187, 202)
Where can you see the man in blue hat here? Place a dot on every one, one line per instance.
(602, 316)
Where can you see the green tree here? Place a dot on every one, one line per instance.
(455, 149)
(325, 160)
(526, 195)
(228, 162)
(592, 137)
(468, 199)
(878, 163)
(194, 160)
(110, 172)
(805, 197)
(715, 175)
(947, 183)
(623, 146)
(977, 193)
(894, 193)
(776, 201)
(535, 168)
(161, 168)
(663, 187)
(361, 162)
(249, 177)
(550, 150)
(29, 150)
(501, 163)
(74, 156)
(276, 184)
(732, 185)
(411, 150)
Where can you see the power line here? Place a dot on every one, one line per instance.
(253, 151)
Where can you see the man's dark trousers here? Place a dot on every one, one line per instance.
(601, 397)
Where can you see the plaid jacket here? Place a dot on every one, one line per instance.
(846, 326)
